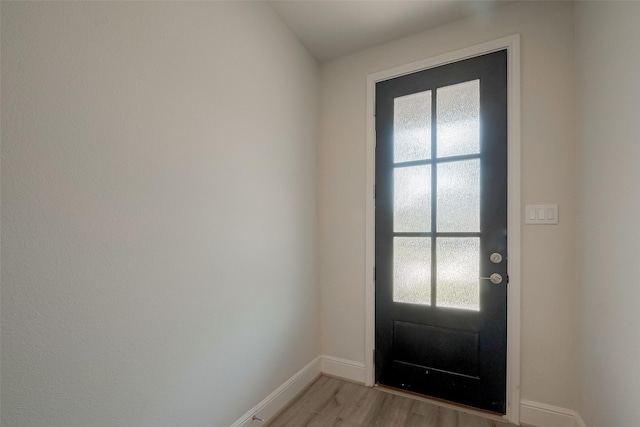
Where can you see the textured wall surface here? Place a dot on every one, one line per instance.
(548, 176)
(608, 70)
(159, 207)
(158, 212)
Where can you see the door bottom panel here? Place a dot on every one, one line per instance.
(438, 348)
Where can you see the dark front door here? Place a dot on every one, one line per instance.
(441, 232)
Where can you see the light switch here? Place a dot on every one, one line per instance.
(541, 214)
(550, 214)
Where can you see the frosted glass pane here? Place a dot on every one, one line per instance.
(458, 115)
(412, 270)
(412, 199)
(459, 196)
(412, 127)
(458, 272)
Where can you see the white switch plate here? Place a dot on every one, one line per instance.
(541, 214)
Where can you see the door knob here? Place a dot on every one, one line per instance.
(495, 278)
(495, 258)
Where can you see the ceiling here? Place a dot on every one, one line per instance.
(332, 28)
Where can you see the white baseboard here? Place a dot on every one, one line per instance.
(342, 368)
(543, 415)
(531, 413)
(281, 396)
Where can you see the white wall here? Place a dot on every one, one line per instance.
(548, 268)
(158, 212)
(608, 70)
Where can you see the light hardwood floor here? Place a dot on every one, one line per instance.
(332, 402)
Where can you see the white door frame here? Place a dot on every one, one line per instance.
(512, 44)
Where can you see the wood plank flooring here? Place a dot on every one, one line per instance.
(332, 402)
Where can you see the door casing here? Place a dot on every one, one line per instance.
(512, 44)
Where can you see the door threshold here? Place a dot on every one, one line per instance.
(495, 416)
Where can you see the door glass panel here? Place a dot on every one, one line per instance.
(412, 270)
(412, 127)
(458, 115)
(412, 199)
(458, 200)
(458, 272)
